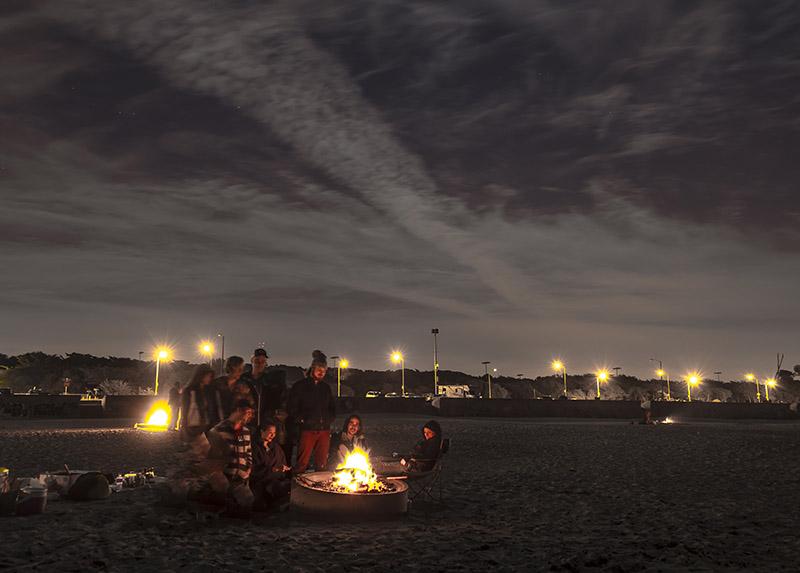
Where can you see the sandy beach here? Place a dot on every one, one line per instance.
(520, 495)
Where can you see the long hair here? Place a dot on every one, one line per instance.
(347, 423)
(200, 372)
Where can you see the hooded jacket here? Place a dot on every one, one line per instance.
(311, 405)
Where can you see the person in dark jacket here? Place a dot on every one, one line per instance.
(270, 479)
(346, 441)
(312, 408)
(267, 392)
(220, 393)
(194, 407)
(427, 450)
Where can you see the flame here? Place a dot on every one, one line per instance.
(355, 474)
(156, 419)
(668, 420)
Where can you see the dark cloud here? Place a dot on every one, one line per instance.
(497, 164)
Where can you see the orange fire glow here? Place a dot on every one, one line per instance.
(157, 418)
(355, 474)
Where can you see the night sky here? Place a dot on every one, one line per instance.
(606, 182)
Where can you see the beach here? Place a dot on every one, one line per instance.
(537, 495)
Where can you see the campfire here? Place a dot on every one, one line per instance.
(352, 490)
(157, 418)
(355, 475)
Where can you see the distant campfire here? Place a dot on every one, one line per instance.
(353, 489)
(157, 418)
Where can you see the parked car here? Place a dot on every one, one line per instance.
(6, 392)
(373, 394)
(392, 395)
(413, 396)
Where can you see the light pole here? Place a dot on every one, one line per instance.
(691, 380)
(488, 376)
(750, 377)
(602, 376)
(769, 383)
(435, 332)
(222, 349)
(559, 366)
(661, 373)
(343, 363)
(161, 353)
(398, 357)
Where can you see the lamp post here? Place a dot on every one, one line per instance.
(343, 363)
(488, 376)
(161, 353)
(222, 350)
(661, 373)
(559, 366)
(769, 383)
(691, 380)
(435, 332)
(207, 350)
(397, 357)
(750, 377)
(602, 376)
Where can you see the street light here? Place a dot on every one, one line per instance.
(342, 363)
(661, 373)
(206, 349)
(435, 332)
(559, 366)
(397, 356)
(160, 353)
(692, 379)
(488, 376)
(222, 351)
(769, 383)
(750, 377)
(602, 376)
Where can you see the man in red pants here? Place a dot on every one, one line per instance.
(312, 408)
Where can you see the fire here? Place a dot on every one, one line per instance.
(355, 474)
(156, 419)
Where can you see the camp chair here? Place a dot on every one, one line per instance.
(422, 485)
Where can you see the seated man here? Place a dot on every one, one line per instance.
(344, 442)
(270, 479)
(231, 444)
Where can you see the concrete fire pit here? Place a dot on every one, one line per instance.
(310, 494)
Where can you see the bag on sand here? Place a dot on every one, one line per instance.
(89, 486)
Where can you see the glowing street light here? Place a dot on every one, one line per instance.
(160, 353)
(559, 366)
(206, 349)
(692, 379)
(750, 377)
(661, 373)
(602, 376)
(341, 363)
(769, 383)
(397, 357)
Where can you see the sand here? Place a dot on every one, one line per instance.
(521, 495)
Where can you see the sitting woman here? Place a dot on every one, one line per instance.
(344, 442)
(269, 479)
(426, 451)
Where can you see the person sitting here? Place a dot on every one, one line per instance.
(270, 479)
(426, 451)
(344, 442)
(231, 444)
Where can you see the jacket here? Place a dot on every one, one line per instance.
(311, 405)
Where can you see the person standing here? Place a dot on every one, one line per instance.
(221, 391)
(312, 408)
(266, 391)
(194, 411)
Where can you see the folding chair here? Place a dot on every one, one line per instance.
(422, 485)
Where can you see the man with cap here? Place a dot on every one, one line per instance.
(312, 408)
(266, 392)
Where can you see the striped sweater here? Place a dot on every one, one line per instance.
(234, 447)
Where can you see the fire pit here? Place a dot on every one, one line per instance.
(353, 490)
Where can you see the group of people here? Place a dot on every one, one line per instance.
(241, 430)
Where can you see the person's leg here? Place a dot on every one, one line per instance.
(321, 451)
(304, 449)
